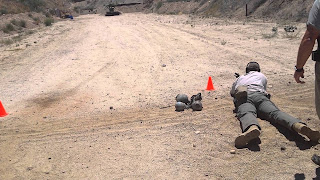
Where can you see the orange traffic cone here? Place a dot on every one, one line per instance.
(2, 111)
(210, 84)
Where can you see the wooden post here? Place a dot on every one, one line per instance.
(246, 9)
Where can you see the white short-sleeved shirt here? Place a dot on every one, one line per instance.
(314, 15)
(254, 80)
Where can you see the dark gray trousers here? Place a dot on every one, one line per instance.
(259, 105)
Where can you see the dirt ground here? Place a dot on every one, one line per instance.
(93, 98)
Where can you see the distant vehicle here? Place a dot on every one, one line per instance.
(111, 11)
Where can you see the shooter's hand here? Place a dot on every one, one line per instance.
(298, 75)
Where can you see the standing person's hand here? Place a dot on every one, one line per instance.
(297, 75)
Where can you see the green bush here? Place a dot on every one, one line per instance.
(34, 5)
(22, 23)
(203, 2)
(47, 14)
(5, 30)
(76, 8)
(17, 38)
(14, 22)
(29, 32)
(48, 21)
(159, 4)
(3, 10)
(11, 40)
(36, 20)
(8, 28)
(7, 42)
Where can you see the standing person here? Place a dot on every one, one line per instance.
(312, 33)
(252, 100)
(305, 49)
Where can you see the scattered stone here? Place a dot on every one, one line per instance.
(283, 148)
(111, 107)
(193, 145)
(49, 158)
(163, 65)
(197, 132)
(274, 29)
(232, 151)
(308, 119)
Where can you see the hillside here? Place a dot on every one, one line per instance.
(280, 10)
(22, 6)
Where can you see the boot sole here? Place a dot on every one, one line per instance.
(245, 138)
(311, 134)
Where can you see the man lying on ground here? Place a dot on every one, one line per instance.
(251, 100)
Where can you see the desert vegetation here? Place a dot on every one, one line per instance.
(48, 21)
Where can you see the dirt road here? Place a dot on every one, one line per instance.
(93, 98)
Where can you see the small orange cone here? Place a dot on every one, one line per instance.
(210, 84)
(2, 111)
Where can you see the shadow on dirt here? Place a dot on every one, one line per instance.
(318, 174)
(48, 99)
(254, 145)
(299, 176)
(300, 141)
